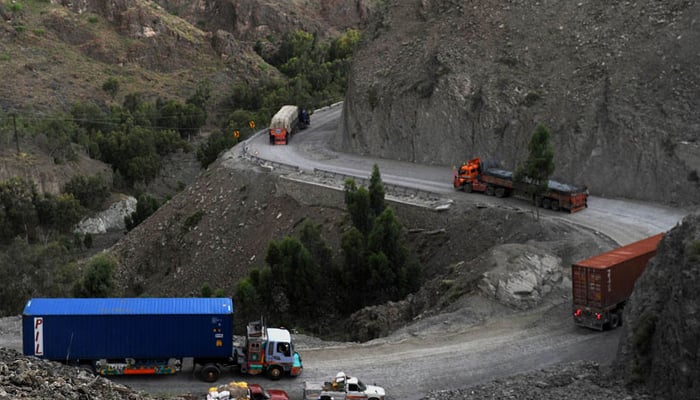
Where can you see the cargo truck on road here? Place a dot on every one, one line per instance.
(602, 284)
(128, 336)
(473, 176)
(287, 122)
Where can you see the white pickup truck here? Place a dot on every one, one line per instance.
(342, 387)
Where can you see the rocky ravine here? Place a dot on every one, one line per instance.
(438, 82)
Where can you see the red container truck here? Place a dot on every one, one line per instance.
(603, 283)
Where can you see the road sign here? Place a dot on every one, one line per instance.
(251, 124)
(236, 134)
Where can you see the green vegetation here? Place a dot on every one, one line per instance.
(90, 191)
(98, 279)
(27, 214)
(303, 278)
(111, 87)
(145, 206)
(539, 166)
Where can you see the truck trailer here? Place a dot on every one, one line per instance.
(128, 336)
(602, 284)
(473, 176)
(287, 122)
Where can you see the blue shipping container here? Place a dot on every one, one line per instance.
(140, 328)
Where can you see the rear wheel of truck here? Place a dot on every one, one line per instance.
(274, 373)
(614, 320)
(555, 205)
(546, 203)
(210, 373)
(500, 192)
(489, 190)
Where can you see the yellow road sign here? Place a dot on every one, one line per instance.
(236, 134)
(251, 124)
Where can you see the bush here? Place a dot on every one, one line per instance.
(91, 191)
(145, 207)
(216, 144)
(98, 280)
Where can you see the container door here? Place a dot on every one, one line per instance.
(594, 288)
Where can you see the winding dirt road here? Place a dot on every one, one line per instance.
(446, 351)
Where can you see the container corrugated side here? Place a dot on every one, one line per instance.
(88, 329)
(608, 278)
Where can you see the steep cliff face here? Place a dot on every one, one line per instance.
(255, 19)
(660, 344)
(438, 82)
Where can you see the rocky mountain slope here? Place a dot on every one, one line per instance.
(60, 52)
(438, 82)
(660, 343)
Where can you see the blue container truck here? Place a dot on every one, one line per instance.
(125, 336)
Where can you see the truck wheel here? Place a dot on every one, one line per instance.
(614, 321)
(489, 190)
(468, 188)
(555, 205)
(500, 192)
(274, 373)
(210, 373)
(546, 203)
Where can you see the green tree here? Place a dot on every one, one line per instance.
(376, 192)
(59, 213)
(216, 143)
(56, 136)
(18, 214)
(111, 87)
(293, 266)
(357, 200)
(344, 46)
(355, 272)
(98, 279)
(386, 243)
(145, 206)
(534, 175)
(91, 191)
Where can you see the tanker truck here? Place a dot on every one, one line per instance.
(148, 336)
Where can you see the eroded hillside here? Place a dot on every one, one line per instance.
(438, 82)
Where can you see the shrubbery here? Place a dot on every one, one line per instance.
(302, 277)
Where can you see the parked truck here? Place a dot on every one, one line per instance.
(473, 176)
(287, 122)
(342, 387)
(602, 284)
(139, 336)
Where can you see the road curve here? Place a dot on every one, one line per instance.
(623, 221)
(414, 363)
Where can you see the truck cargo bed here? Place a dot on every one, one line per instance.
(140, 328)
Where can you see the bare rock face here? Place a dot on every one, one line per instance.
(255, 19)
(520, 275)
(660, 344)
(439, 82)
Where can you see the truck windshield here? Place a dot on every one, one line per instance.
(361, 386)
